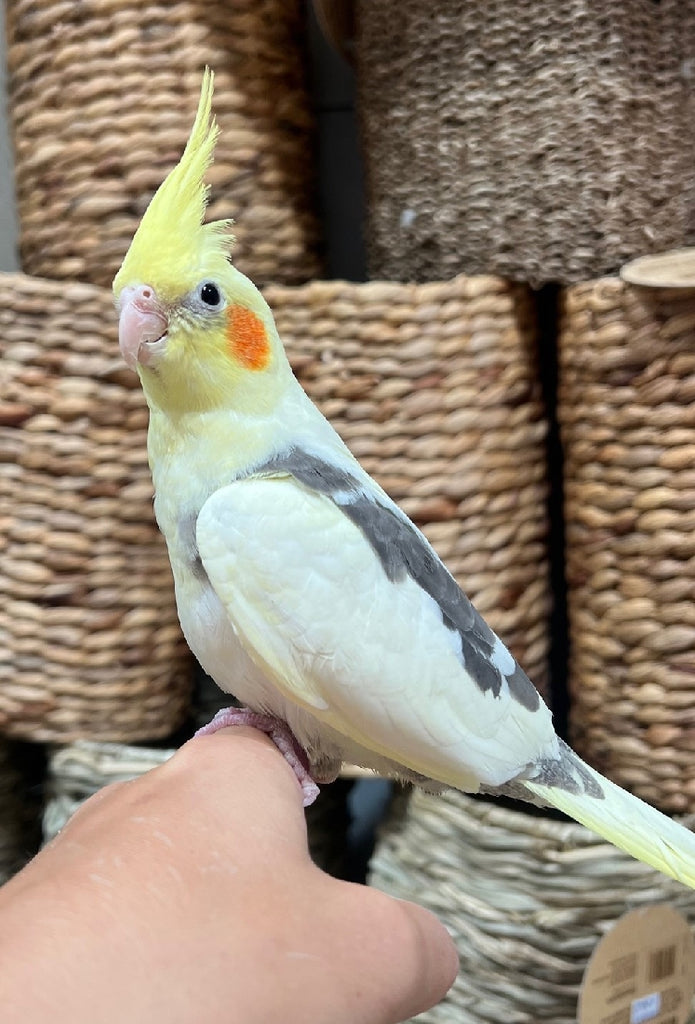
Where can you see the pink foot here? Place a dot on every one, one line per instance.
(279, 734)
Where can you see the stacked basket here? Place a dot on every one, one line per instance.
(91, 644)
(550, 145)
(101, 98)
(627, 410)
(544, 142)
(89, 622)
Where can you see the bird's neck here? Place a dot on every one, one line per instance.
(216, 446)
(192, 456)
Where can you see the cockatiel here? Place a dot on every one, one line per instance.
(301, 587)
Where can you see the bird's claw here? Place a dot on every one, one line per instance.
(281, 736)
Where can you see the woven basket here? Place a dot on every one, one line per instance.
(102, 96)
(543, 142)
(89, 637)
(77, 771)
(627, 411)
(525, 898)
(434, 387)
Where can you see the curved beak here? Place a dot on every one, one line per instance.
(142, 326)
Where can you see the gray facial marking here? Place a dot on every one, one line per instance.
(403, 552)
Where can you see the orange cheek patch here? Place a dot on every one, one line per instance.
(247, 340)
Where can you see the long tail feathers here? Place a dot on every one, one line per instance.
(623, 820)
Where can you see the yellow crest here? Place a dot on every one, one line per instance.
(172, 249)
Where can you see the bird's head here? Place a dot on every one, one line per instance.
(197, 331)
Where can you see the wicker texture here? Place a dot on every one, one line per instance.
(627, 412)
(434, 388)
(77, 771)
(525, 898)
(102, 95)
(542, 142)
(89, 637)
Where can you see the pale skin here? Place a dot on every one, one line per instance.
(188, 895)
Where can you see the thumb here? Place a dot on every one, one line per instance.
(401, 954)
(422, 962)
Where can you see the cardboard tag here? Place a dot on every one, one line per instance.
(641, 972)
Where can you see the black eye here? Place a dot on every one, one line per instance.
(209, 294)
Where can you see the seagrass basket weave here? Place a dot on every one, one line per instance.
(102, 96)
(525, 897)
(627, 411)
(543, 142)
(435, 389)
(89, 637)
(77, 771)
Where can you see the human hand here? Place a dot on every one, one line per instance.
(189, 896)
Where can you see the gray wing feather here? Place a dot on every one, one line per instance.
(403, 551)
